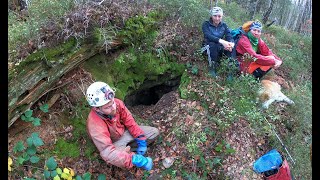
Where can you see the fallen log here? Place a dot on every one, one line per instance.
(41, 70)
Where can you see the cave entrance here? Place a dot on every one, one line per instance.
(151, 94)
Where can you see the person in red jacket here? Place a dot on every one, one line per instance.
(262, 58)
(114, 130)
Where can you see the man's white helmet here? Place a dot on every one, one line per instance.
(99, 94)
(216, 11)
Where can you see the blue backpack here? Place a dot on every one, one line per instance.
(269, 161)
(236, 34)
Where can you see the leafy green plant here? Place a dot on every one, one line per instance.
(28, 154)
(169, 173)
(102, 177)
(194, 140)
(86, 176)
(44, 108)
(224, 147)
(195, 70)
(27, 116)
(50, 168)
(52, 171)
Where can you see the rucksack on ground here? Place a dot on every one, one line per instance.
(273, 166)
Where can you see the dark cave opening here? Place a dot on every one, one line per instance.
(151, 95)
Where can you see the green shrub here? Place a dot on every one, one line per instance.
(28, 154)
(39, 12)
(139, 29)
(191, 12)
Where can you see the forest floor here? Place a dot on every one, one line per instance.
(168, 113)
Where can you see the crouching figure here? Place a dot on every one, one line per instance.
(114, 130)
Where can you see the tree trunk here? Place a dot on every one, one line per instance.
(37, 75)
(302, 17)
(268, 12)
(291, 10)
(297, 12)
(252, 8)
(305, 16)
(259, 5)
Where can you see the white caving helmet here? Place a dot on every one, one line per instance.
(99, 94)
(216, 11)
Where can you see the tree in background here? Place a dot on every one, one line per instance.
(294, 15)
(268, 12)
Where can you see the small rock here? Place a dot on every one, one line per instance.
(167, 162)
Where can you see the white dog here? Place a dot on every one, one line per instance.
(270, 92)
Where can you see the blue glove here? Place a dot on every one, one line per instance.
(141, 161)
(142, 146)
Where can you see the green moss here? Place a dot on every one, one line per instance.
(134, 66)
(90, 149)
(185, 80)
(99, 35)
(67, 149)
(158, 15)
(79, 122)
(61, 52)
(130, 69)
(79, 130)
(50, 56)
(139, 29)
(79, 125)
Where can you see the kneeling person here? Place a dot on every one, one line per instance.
(112, 129)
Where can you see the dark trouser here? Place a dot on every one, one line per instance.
(217, 51)
(258, 73)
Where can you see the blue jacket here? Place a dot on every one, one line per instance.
(213, 34)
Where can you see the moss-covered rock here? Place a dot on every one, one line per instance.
(139, 29)
(129, 70)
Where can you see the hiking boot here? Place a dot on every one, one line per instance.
(212, 71)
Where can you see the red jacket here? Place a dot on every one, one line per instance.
(105, 131)
(244, 46)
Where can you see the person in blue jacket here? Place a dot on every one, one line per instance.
(218, 40)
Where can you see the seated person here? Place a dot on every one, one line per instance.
(262, 59)
(217, 39)
(114, 131)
